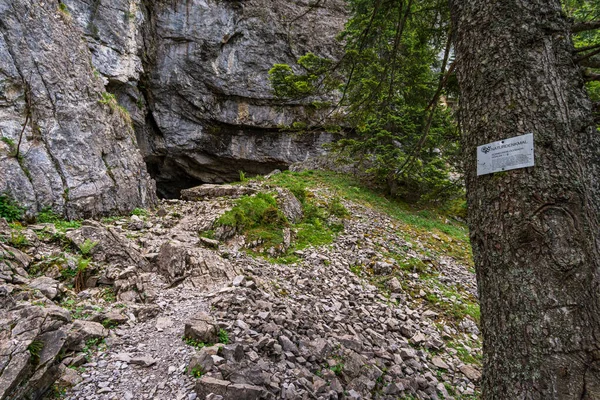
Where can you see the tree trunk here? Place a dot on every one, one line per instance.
(535, 231)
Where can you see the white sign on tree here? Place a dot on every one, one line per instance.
(507, 154)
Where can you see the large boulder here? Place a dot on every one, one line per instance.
(204, 268)
(83, 331)
(290, 206)
(228, 391)
(31, 341)
(109, 246)
(47, 286)
(13, 265)
(201, 328)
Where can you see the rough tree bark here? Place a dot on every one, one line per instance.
(535, 231)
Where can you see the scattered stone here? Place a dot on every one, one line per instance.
(201, 327)
(214, 244)
(439, 363)
(470, 372)
(143, 361)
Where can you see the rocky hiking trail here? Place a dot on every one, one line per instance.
(385, 311)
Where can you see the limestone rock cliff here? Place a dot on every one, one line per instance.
(60, 146)
(190, 76)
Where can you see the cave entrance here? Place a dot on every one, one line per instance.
(173, 174)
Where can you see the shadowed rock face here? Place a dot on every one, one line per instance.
(192, 74)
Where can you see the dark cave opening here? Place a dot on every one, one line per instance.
(173, 174)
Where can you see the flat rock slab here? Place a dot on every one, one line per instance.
(209, 191)
(226, 389)
(470, 372)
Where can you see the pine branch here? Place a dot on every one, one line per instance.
(586, 56)
(585, 26)
(591, 63)
(586, 48)
(591, 76)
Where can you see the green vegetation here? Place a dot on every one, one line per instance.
(464, 354)
(392, 79)
(140, 212)
(17, 239)
(62, 7)
(86, 247)
(110, 100)
(223, 336)
(35, 348)
(259, 218)
(415, 222)
(108, 324)
(9, 209)
(47, 215)
(110, 220)
(453, 303)
(585, 11)
(197, 371)
(109, 295)
(195, 343)
(337, 369)
(77, 311)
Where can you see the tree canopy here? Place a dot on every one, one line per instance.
(395, 91)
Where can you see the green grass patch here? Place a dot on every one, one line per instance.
(465, 355)
(420, 223)
(259, 218)
(48, 216)
(454, 304)
(10, 209)
(223, 336)
(140, 212)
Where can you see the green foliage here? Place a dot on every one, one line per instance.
(10, 209)
(465, 355)
(82, 264)
(62, 7)
(18, 239)
(223, 336)
(454, 304)
(47, 215)
(587, 43)
(140, 212)
(338, 369)
(337, 208)
(110, 100)
(389, 78)
(195, 343)
(86, 247)
(108, 324)
(109, 295)
(10, 142)
(110, 220)
(35, 348)
(257, 216)
(312, 79)
(197, 371)
(243, 176)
